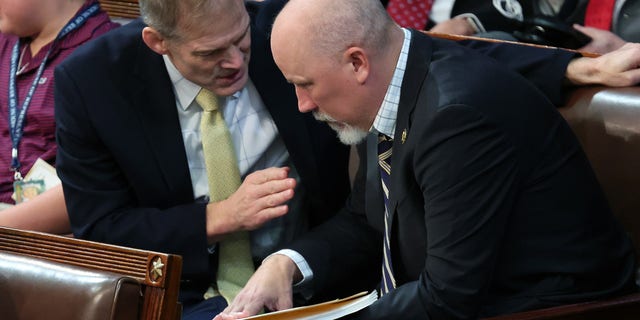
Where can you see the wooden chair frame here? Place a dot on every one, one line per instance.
(127, 9)
(158, 273)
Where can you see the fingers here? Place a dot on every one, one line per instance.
(262, 196)
(282, 304)
(632, 77)
(270, 182)
(589, 31)
(231, 316)
(621, 66)
(269, 174)
(454, 26)
(269, 287)
(276, 186)
(272, 213)
(279, 197)
(581, 28)
(253, 307)
(249, 308)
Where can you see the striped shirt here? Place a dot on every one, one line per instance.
(385, 121)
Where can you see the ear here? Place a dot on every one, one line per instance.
(154, 40)
(358, 61)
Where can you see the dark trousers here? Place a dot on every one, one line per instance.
(196, 308)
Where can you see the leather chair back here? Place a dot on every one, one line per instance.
(607, 123)
(44, 276)
(33, 288)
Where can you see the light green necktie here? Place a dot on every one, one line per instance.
(235, 265)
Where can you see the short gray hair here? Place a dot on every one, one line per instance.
(166, 16)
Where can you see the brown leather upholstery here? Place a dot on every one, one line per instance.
(51, 277)
(607, 123)
(38, 289)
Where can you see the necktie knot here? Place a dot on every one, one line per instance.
(207, 100)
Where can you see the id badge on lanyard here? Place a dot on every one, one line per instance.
(26, 190)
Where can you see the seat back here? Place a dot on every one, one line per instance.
(44, 276)
(33, 288)
(607, 124)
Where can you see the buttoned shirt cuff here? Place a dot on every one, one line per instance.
(301, 263)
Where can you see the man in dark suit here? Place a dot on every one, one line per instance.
(130, 156)
(487, 206)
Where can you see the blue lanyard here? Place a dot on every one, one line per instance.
(16, 119)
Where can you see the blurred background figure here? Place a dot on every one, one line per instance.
(599, 26)
(610, 23)
(35, 36)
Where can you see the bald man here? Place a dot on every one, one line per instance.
(461, 199)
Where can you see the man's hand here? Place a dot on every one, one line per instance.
(270, 287)
(619, 68)
(459, 26)
(260, 198)
(602, 41)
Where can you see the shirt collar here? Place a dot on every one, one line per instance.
(385, 121)
(78, 37)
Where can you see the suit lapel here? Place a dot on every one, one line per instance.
(415, 74)
(154, 104)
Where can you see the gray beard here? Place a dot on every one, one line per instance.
(347, 134)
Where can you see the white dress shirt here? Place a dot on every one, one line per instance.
(257, 145)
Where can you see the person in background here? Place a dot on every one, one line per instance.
(610, 24)
(497, 19)
(618, 66)
(35, 36)
(460, 208)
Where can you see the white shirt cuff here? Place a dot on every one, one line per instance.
(301, 263)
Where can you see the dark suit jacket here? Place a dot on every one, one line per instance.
(495, 208)
(122, 159)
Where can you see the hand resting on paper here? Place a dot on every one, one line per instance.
(269, 287)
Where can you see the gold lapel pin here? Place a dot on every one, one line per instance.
(404, 136)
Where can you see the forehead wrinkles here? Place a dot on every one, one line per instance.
(210, 42)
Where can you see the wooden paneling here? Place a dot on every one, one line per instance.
(128, 9)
